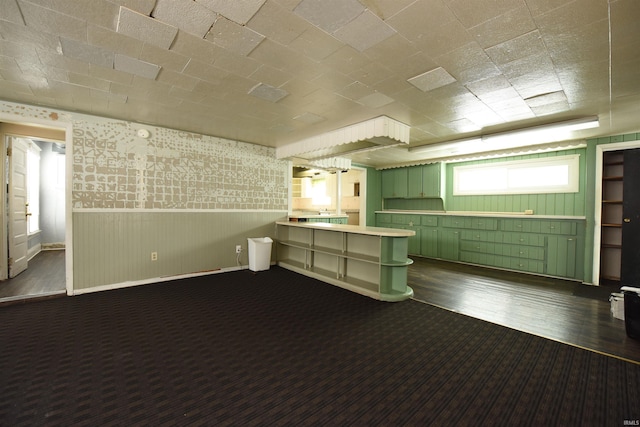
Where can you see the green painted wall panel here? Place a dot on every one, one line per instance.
(542, 204)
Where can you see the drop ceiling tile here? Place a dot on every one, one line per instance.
(432, 14)
(554, 108)
(488, 86)
(237, 11)
(330, 15)
(136, 66)
(572, 15)
(23, 35)
(432, 79)
(102, 13)
(375, 100)
(267, 92)
(165, 58)
(271, 76)
(86, 53)
(507, 26)
(10, 12)
(195, 47)
(113, 41)
(278, 24)
(355, 90)
(370, 74)
(52, 22)
(442, 39)
(471, 14)
(536, 83)
(178, 80)
(540, 7)
(143, 6)
(517, 48)
(145, 29)
(187, 15)
(88, 81)
(233, 37)
(315, 44)
(236, 64)
(385, 9)
(346, 59)
(114, 76)
(309, 118)
(203, 71)
(546, 98)
(364, 31)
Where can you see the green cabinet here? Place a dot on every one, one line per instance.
(394, 183)
(424, 181)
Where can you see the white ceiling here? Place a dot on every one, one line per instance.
(276, 72)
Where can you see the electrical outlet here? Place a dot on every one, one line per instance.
(154, 256)
(238, 249)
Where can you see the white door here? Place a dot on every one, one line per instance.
(18, 243)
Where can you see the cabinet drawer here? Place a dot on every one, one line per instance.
(429, 220)
(523, 239)
(470, 222)
(558, 227)
(409, 220)
(527, 252)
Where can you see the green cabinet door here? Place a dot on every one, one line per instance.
(561, 256)
(429, 242)
(394, 183)
(414, 184)
(449, 244)
(431, 180)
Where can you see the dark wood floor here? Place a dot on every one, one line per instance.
(565, 311)
(44, 277)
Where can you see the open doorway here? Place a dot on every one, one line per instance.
(34, 260)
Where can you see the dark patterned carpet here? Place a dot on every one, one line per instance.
(276, 348)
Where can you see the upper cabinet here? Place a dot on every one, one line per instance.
(394, 183)
(412, 182)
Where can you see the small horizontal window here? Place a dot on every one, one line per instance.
(534, 176)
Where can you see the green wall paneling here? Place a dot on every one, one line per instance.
(570, 204)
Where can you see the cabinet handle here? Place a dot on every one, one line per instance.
(569, 240)
(519, 225)
(521, 252)
(522, 240)
(627, 220)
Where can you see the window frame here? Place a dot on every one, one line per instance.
(572, 162)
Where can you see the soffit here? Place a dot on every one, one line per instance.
(447, 69)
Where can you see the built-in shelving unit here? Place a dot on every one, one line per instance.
(371, 261)
(611, 219)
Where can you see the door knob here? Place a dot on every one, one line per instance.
(627, 220)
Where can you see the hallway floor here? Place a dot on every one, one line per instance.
(44, 277)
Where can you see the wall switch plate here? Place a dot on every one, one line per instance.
(238, 249)
(528, 212)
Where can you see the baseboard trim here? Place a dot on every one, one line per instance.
(129, 284)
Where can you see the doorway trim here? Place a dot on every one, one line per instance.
(67, 127)
(597, 232)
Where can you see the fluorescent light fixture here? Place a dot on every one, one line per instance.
(451, 148)
(539, 134)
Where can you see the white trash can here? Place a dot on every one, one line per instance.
(259, 253)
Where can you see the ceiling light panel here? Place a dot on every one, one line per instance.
(146, 29)
(237, 11)
(432, 79)
(330, 15)
(187, 15)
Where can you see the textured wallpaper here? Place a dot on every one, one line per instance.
(114, 168)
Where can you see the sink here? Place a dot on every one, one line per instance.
(324, 213)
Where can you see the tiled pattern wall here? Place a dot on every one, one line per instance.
(114, 168)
